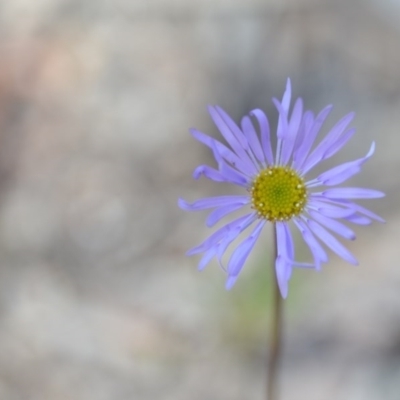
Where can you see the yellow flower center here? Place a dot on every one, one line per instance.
(278, 194)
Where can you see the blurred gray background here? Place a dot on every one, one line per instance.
(97, 300)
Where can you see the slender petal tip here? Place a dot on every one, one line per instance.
(282, 281)
(184, 205)
(230, 282)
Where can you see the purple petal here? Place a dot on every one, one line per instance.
(233, 136)
(211, 202)
(241, 253)
(341, 176)
(352, 193)
(294, 124)
(209, 173)
(231, 124)
(251, 134)
(233, 176)
(230, 282)
(289, 242)
(225, 130)
(319, 153)
(353, 207)
(224, 152)
(218, 235)
(283, 109)
(221, 212)
(230, 174)
(333, 225)
(283, 263)
(283, 124)
(331, 242)
(305, 126)
(330, 210)
(233, 234)
(342, 172)
(265, 134)
(207, 257)
(287, 96)
(339, 144)
(281, 268)
(310, 136)
(316, 249)
(331, 151)
(282, 130)
(280, 232)
(358, 219)
(362, 210)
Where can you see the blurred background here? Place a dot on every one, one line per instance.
(97, 299)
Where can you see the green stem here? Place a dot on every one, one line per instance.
(276, 334)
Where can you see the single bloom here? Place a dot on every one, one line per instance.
(276, 189)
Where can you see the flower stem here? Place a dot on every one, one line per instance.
(276, 334)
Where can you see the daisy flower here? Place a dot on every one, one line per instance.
(276, 189)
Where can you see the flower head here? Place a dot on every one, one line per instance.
(278, 190)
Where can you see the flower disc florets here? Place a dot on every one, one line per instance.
(278, 194)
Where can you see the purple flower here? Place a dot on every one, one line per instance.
(277, 190)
